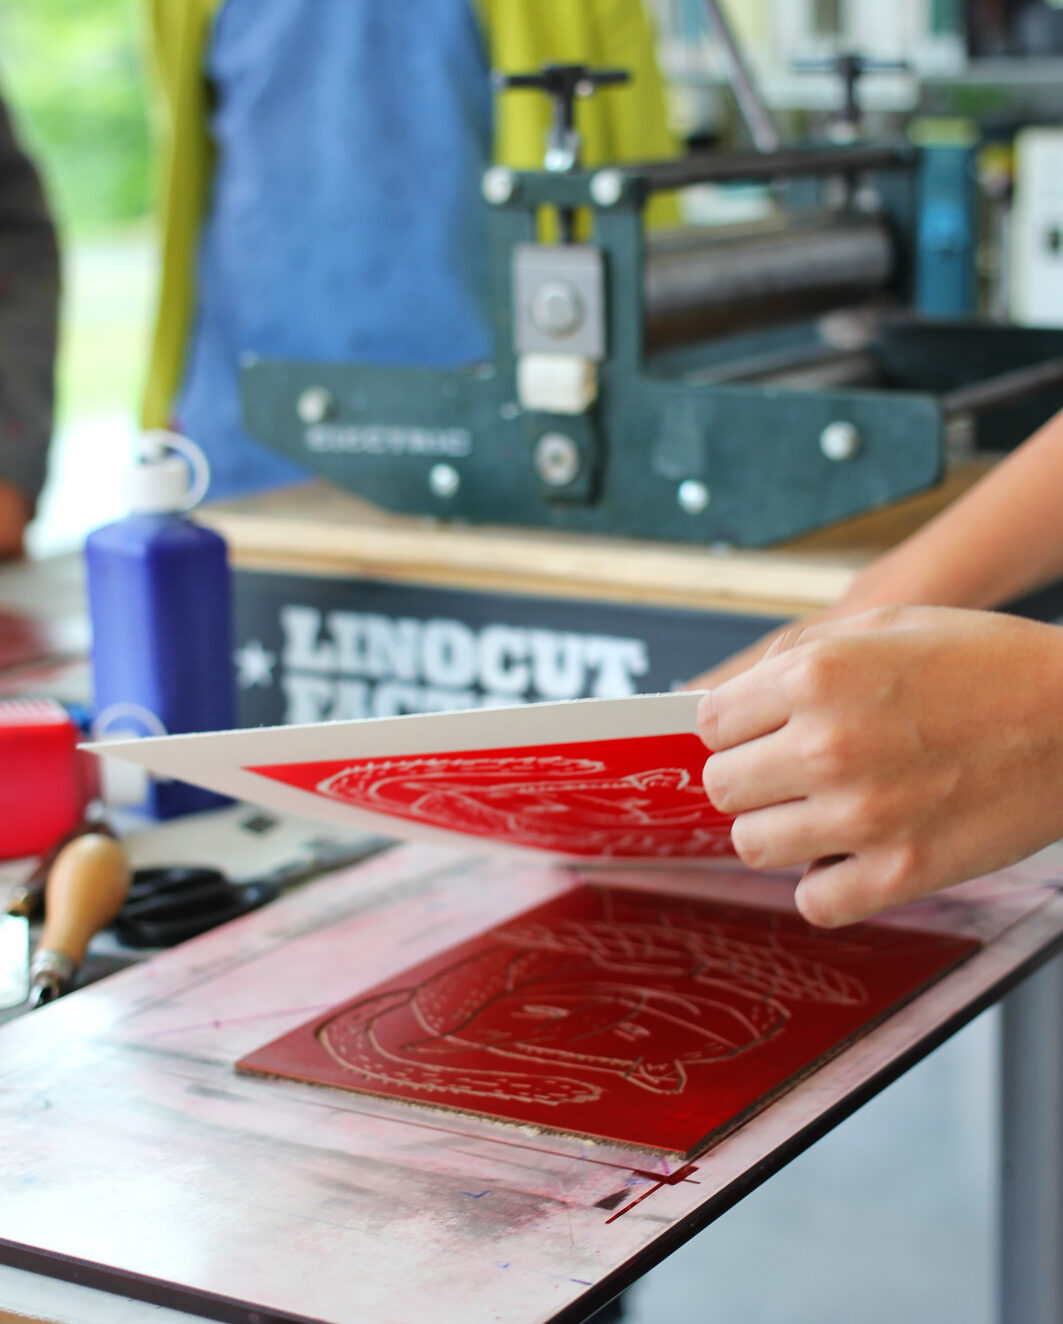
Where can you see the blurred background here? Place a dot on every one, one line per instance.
(73, 72)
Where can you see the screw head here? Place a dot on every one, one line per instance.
(556, 308)
(560, 158)
(607, 187)
(444, 480)
(557, 459)
(498, 185)
(693, 496)
(868, 199)
(839, 441)
(315, 405)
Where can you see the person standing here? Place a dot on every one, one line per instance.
(29, 310)
(321, 183)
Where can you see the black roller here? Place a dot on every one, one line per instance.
(702, 280)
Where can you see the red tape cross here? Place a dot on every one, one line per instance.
(673, 1179)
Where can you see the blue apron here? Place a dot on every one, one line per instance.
(345, 220)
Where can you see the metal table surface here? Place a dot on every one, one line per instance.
(136, 1162)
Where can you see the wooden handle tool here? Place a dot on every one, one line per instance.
(86, 886)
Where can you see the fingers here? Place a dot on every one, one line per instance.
(866, 622)
(730, 666)
(842, 890)
(779, 837)
(829, 895)
(795, 668)
(748, 706)
(812, 629)
(845, 890)
(761, 772)
(735, 711)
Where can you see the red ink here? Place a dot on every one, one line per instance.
(634, 797)
(659, 1022)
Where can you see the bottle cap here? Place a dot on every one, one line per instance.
(171, 475)
(123, 785)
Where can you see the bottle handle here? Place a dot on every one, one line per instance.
(158, 440)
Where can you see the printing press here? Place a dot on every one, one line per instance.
(709, 384)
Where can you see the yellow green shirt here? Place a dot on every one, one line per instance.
(626, 124)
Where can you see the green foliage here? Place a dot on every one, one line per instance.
(74, 78)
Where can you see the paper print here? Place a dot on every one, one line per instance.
(641, 797)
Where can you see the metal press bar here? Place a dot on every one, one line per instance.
(755, 113)
(1031, 1192)
(1002, 389)
(715, 168)
(783, 367)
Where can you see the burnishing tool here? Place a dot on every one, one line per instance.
(84, 888)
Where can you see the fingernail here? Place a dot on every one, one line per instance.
(805, 901)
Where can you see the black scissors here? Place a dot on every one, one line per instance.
(166, 906)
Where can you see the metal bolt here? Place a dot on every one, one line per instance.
(556, 308)
(557, 459)
(560, 158)
(444, 480)
(839, 440)
(315, 404)
(607, 187)
(693, 496)
(498, 185)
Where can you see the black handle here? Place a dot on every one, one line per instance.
(563, 83)
(850, 68)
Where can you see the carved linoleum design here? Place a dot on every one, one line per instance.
(653, 1020)
(645, 1002)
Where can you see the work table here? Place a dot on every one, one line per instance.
(316, 528)
(136, 1161)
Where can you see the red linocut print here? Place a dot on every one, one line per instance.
(636, 797)
(650, 1021)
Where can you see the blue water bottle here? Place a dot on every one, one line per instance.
(160, 601)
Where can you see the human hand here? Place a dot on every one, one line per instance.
(749, 656)
(14, 516)
(899, 751)
(733, 665)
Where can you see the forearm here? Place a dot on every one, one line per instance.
(1001, 539)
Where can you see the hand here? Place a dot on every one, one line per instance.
(733, 665)
(899, 751)
(749, 656)
(15, 514)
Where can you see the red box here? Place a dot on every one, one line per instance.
(45, 782)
